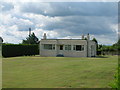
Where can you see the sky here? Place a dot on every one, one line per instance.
(61, 20)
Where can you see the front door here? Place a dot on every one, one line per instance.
(60, 49)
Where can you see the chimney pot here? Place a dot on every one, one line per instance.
(44, 36)
(82, 36)
(88, 37)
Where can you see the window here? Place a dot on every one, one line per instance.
(61, 47)
(78, 47)
(67, 47)
(49, 46)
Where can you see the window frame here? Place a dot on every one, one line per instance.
(49, 46)
(68, 47)
(81, 47)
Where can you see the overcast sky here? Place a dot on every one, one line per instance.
(59, 20)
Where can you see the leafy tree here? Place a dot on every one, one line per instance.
(85, 38)
(100, 46)
(118, 43)
(94, 39)
(32, 39)
(116, 47)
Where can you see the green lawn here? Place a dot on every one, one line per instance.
(58, 72)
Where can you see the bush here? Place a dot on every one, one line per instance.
(12, 50)
(116, 82)
(98, 52)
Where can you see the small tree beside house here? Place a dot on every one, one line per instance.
(32, 39)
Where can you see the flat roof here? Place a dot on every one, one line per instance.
(62, 39)
(66, 39)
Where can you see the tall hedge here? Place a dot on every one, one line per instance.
(12, 50)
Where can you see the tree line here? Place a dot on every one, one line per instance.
(112, 49)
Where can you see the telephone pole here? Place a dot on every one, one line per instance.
(29, 31)
(29, 34)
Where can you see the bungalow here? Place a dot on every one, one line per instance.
(67, 47)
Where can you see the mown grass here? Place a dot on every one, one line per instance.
(58, 72)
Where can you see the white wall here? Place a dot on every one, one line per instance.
(66, 53)
(91, 51)
(47, 52)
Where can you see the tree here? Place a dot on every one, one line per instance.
(85, 38)
(100, 46)
(32, 39)
(118, 43)
(117, 46)
(94, 39)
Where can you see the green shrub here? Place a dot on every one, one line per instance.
(116, 83)
(12, 50)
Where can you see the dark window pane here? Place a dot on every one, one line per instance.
(61, 47)
(48, 46)
(78, 47)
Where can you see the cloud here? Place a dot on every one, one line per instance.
(107, 39)
(71, 8)
(22, 24)
(81, 24)
(60, 20)
(6, 6)
(61, 1)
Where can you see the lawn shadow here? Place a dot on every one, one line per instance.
(101, 57)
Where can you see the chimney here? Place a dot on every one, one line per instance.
(44, 36)
(88, 37)
(82, 36)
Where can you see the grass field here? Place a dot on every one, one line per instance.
(58, 72)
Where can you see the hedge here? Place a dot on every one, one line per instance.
(13, 50)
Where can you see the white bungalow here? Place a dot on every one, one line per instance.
(67, 47)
